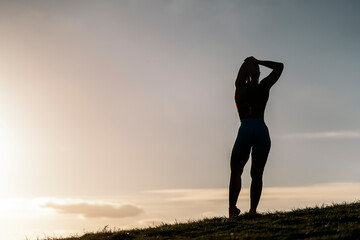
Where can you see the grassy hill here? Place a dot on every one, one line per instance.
(339, 221)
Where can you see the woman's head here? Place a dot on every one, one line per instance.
(249, 73)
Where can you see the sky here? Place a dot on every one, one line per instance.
(104, 104)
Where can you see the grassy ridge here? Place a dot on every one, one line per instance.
(339, 221)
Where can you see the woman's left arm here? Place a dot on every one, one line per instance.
(277, 68)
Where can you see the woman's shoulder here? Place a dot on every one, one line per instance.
(264, 85)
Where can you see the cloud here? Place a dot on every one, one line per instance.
(191, 195)
(94, 209)
(314, 135)
(272, 197)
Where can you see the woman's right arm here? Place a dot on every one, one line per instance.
(277, 69)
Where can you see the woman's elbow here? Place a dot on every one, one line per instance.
(281, 67)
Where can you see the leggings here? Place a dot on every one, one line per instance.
(253, 134)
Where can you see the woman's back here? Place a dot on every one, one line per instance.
(250, 95)
(251, 100)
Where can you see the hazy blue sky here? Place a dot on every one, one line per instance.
(103, 98)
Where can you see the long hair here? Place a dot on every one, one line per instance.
(244, 75)
(241, 77)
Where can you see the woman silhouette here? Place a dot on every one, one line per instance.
(253, 135)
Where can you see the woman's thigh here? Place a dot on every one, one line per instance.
(261, 139)
(260, 150)
(241, 150)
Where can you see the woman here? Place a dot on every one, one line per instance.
(251, 98)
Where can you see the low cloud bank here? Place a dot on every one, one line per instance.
(94, 210)
(334, 134)
(272, 197)
(191, 195)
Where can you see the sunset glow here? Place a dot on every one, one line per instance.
(123, 112)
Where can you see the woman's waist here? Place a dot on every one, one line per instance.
(252, 120)
(251, 111)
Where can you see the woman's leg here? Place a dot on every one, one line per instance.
(239, 157)
(258, 161)
(237, 164)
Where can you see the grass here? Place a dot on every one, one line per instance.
(338, 221)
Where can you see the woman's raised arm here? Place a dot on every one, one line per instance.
(276, 67)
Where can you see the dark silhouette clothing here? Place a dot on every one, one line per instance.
(253, 134)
